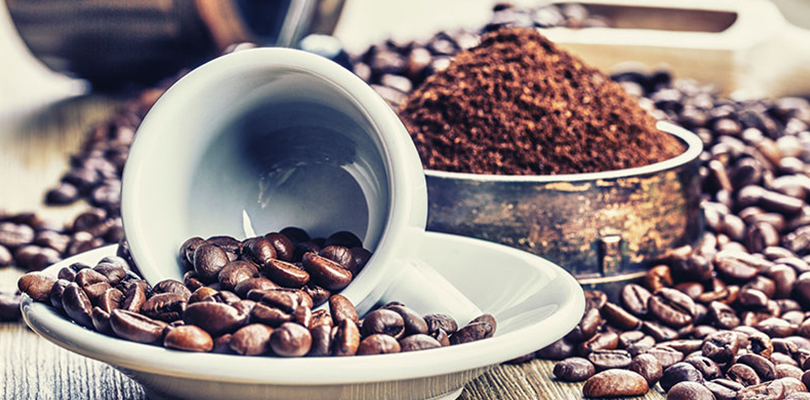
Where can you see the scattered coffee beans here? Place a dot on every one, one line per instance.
(238, 298)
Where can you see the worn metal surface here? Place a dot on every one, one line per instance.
(598, 225)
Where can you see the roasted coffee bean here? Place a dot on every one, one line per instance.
(619, 317)
(346, 340)
(269, 315)
(165, 307)
(10, 306)
(383, 321)
(295, 234)
(290, 340)
(638, 338)
(77, 305)
(52, 239)
(325, 272)
(763, 367)
(558, 350)
(134, 297)
(37, 285)
(110, 300)
(660, 333)
(88, 276)
(95, 291)
(101, 321)
(251, 340)
(441, 321)
(321, 317)
(341, 255)
(723, 316)
(594, 299)
(321, 340)
(666, 356)
(607, 359)
(58, 289)
(753, 298)
(702, 331)
(236, 272)
(587, 326)
(201, 294)
(764, 391)
(384, 344)
(760, 344)
(282, 300)
(417, 342)
(413, 322)
(318, 294)
(444, 339)
(776, 327)
(6, 258)
(69, 273)
(721, 347)
(743, 375)
(361, 258)
(282, 245)
(574, 369)
(688, 390)
(227, 243)
(684, 346)
(261, 283)
(302, 248)
(187, 250)
(191, 281)
(724, 389)
(344, 238)
(788, 371)
(341, 309)
(214, 318)
(188, 338)
(648, 367)
(672, 307)
(615, 383)
(172, 286)
(209, 259)
(286, 274)
(135, 327)
(792, 385)
(658, 277)
(259, 250)
(475, 331)
(15, 235)
(679, 372)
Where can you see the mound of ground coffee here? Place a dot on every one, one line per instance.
(518, 105)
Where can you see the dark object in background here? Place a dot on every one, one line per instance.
(116, 43)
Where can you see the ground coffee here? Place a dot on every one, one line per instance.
(518, 105)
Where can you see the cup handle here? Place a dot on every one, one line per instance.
(426, 291)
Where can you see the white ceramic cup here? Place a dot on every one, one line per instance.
(285, 138)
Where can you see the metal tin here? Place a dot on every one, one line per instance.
(602, 227)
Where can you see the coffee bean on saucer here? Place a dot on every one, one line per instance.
(291, 340)
(135, 327)
(188, 338)
(417, 342)
(341, 309)
(378, 344)
(251, 340)
(383, 321)
(37, 285)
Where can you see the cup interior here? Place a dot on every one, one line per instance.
(258, 142)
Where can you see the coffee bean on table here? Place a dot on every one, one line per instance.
(648, 367)
(558, 350)
(9, 306)
(615, 383)
(37, 285)
(679, 372)
(188, 338)
(607, 359)
(619, 317)
(721, 347)
(708, 368)
(743, 374)
(773, 390)
(688, 390)
(635, 298)
(761, 365)
(672, 307)
(666, 356)
(723, 389)
(574, 369)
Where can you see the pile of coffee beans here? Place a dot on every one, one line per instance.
(251, 297)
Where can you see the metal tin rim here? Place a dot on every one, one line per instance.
(694, 146)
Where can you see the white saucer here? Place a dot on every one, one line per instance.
(534, 301)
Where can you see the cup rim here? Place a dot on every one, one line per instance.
(407, 209)
(694, 146)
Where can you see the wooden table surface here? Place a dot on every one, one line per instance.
(43, 117)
